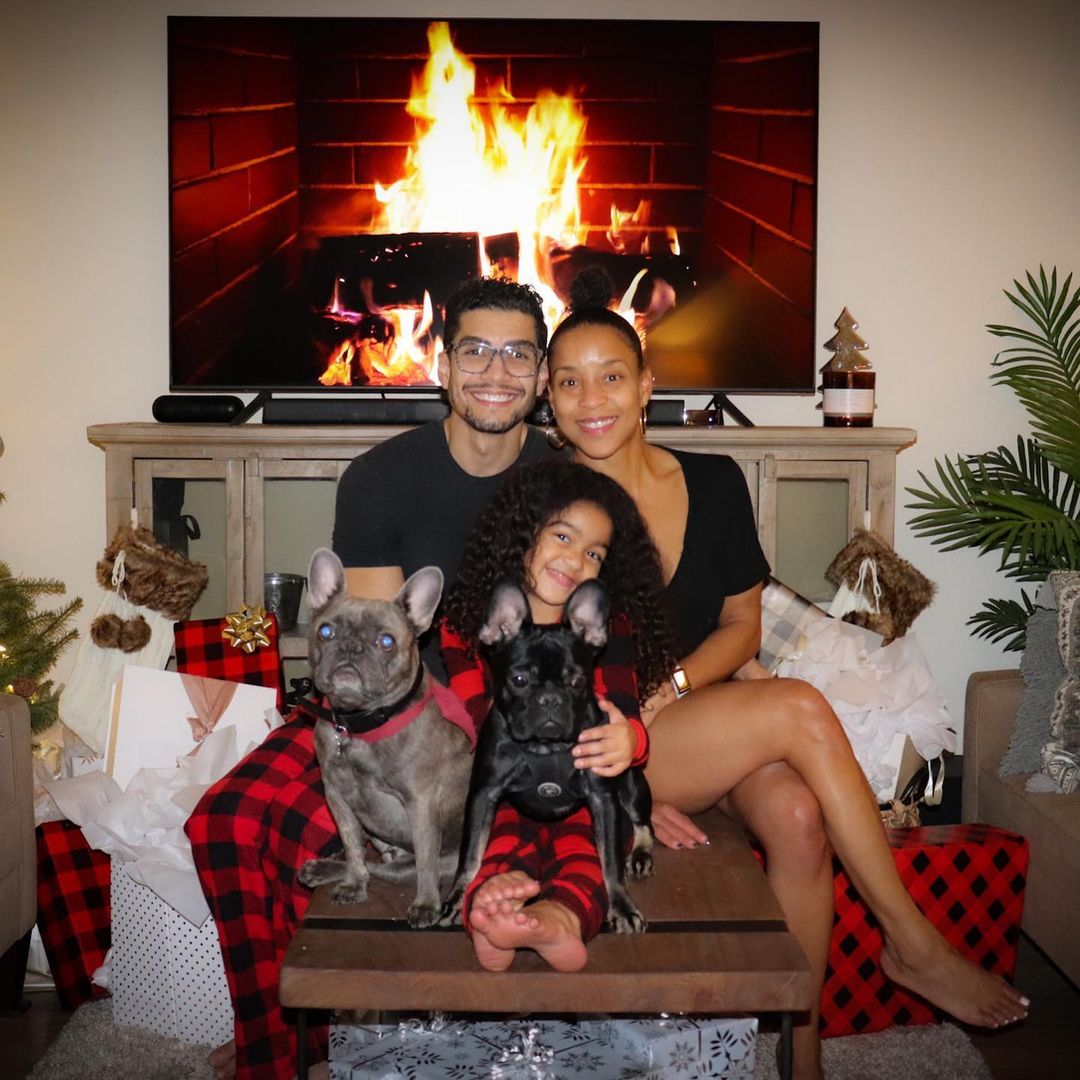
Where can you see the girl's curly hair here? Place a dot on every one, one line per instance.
(506, 532)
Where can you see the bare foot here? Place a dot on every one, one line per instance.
(498, 898)
(961, 988)
(546, 926)
(222, 1059)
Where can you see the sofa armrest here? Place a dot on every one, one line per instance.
(18, 855)
(989, 712)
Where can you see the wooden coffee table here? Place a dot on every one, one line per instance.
(717, 944)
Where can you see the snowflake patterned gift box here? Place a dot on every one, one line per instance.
(446, 1049)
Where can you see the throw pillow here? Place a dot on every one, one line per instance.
(1042, 671)
(1061, 755)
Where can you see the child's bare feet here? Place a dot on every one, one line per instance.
(949, 981)
(501, 925)
(499, 897)
(222, 1059)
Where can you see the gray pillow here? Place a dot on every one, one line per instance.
(1065, 713)
(1042, 672)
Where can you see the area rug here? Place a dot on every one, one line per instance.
(91, 1047)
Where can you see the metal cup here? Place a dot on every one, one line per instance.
(281, 595)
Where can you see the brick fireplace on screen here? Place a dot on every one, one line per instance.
(282, 130)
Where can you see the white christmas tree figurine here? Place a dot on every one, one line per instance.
(847, 345)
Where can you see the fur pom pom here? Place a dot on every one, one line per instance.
(105, 631)
(134, 634)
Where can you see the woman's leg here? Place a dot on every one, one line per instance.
(705, 743)
(779, 809)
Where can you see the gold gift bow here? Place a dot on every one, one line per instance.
(247, 629)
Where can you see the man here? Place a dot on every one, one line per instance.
(407, 503)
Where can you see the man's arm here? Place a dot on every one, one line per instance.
(374, 582)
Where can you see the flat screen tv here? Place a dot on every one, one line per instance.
(332, 180)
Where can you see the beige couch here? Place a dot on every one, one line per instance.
(1051, 822)
(18, 861)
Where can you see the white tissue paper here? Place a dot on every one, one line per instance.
(883, 695)
(139, 821)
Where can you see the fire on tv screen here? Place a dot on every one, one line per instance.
(332, 180)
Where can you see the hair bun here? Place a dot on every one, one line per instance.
(591, 288)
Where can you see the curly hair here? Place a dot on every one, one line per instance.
(497, 293)
(506, 533)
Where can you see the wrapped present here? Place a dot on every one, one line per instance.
(73, 909)
(969, 882)
(784, 618)
(655, 1049)
(167, 974)
(242, 647)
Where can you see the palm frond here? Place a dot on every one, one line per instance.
(1004, 620)
(1044, 371)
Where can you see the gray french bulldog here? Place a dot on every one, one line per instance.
(395, 771)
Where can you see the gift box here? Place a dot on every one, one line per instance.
(242, 647)
(447, 1049)
(969, 882)
(167, 974)
(73, 909)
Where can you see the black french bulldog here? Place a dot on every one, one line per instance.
(543, 699)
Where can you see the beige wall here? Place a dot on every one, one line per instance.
(949, 137)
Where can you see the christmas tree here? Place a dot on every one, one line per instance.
(31, 640)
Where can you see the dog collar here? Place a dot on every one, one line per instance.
(374, 724)
(547, 770)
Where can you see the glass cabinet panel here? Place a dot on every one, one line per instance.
(811, 527)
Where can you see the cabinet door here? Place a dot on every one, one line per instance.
(290, 513)
(807, 511)
(196, 508)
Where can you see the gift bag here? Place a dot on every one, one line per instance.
(242, 648)
(784, 617)
(877, 589)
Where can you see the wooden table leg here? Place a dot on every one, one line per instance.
(301, 1044)
(786, 1050)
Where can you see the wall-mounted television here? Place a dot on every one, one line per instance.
(332, 179)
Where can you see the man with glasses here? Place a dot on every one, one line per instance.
(407, 503)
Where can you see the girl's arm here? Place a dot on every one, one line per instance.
(611, 748)
(467, 675)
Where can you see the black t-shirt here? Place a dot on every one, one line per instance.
(721, 555)
(408, 503)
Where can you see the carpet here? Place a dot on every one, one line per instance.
(91, 1047)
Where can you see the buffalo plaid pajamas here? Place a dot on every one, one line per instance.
(250, 835)
(561, 855)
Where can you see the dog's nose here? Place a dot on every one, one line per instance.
(549, 700)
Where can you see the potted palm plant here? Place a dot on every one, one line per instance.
(1024, 504)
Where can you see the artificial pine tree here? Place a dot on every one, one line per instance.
(31, 640)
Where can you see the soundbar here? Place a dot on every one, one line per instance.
(353, 410)
(665, 412)
(195, 408)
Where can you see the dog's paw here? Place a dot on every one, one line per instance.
(450, 914)
(349, 892)
(316, 872)
(623, 916)
(639, 863)
(421, 915)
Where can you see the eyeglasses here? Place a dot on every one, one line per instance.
(521, 359)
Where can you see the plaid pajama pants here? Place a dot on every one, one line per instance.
(561, 855)
(250, 835)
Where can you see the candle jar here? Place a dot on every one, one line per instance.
(848, 397)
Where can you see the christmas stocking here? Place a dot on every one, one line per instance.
(148, 587)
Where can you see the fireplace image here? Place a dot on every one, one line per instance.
(332, 181)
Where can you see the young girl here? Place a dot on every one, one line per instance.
(549, 528)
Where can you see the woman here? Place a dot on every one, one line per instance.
(772, 745)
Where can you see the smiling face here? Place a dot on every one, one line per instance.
(495, 401)
(569, 549)
(597, 390)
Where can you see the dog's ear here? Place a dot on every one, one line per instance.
(419, 597)
(587, 613)
(326, 578)
(507, 612)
